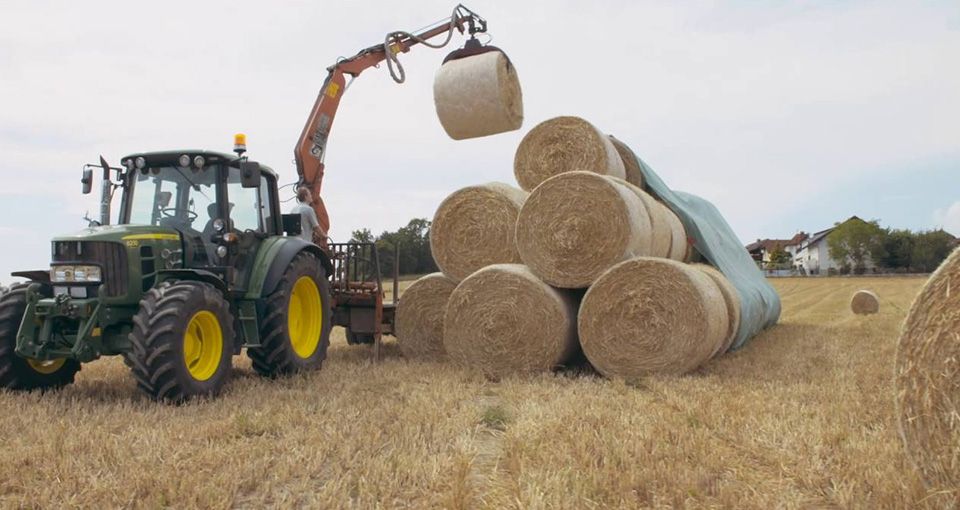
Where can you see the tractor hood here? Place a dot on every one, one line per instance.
(121, 233)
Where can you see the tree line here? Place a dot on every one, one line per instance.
(413, 243)
(854, 242)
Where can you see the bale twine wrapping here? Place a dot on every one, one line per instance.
(679, 247)
(419, 317)
(474, 227)
(731, 298)
(504, 320)
(928, 382)
(564, 144)
(651, 315)
(630, 166)
(865, 302)
(576, 225)
(478, 96)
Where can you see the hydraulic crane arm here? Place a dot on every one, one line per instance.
(311, 148)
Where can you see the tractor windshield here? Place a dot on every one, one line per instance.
(172, 197)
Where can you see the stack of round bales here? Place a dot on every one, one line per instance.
(587, 223)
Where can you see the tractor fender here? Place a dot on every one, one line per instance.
(196, 275)
(272, 262)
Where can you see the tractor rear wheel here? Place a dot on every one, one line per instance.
(182, 342)
(295, 326)
(18, 373)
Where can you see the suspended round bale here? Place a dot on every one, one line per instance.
(865, 302)
(630, 165)
(474, 227)
(575, 225)
(504, 320)
(731, 298)
(928, 383)
(564, 144)
(651, 316)
(478, 96)
(419, 317)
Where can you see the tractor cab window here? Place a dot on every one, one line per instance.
(247, 207)
(174, 198)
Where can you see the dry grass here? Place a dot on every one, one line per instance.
(801, 417)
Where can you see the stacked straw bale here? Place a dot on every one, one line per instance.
(865, 302)
(478, 96)
(651, 315)
(588, 224)
(504, 320)
(474, 227)
(928, 383)
(419, 317)
(630, 166)
(564, 144)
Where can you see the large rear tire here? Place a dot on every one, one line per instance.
(182, 342)
(295, 326)
(18, 373)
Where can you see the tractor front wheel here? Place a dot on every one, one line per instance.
(182, 342)
(18, 373)
(295, 328)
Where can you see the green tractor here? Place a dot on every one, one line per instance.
(197, 268)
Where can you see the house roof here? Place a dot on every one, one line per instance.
(770, 245)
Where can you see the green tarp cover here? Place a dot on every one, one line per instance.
(715, 240)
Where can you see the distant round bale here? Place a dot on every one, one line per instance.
(564, 144)
(504, 320)
(651, 316)
(419, 317)
(575, 225)
(478, 96)
(474, 227)
(630, 165)
(865, 302)
(732, 299)
(928, 383)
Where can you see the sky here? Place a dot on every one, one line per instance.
(787, 115)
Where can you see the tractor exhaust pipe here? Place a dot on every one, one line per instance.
(106, 193)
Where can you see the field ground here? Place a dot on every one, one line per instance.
(801, 417)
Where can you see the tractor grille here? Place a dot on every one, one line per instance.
(112, 257)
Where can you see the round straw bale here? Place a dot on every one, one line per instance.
(575, 225)
(630, 165)
(564, 144)
(651, 315)
(732, 299)
(679, 247)
(504, 320)
(661, 229)
(928, 382)
(474, 227)
(419, 317)
(865, 302)
(478, 96)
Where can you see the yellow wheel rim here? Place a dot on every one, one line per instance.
(305, 317)
(203, 345)
(46, 367)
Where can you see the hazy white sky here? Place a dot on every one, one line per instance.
(787, 115)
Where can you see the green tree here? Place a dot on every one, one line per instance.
(413, 243)
(362, 236)
(779, 257)
(854, 241)
(930, 248)
(897, 249)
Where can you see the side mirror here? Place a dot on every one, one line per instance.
(87, 180)
(250, 174)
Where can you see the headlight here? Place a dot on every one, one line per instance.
(78, 274)
(184, 160)
(222, 251)
(219, 225)
(140, 162)
(199, 161)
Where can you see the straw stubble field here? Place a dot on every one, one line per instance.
(801, 417)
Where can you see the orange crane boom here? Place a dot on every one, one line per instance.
(311, 148)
